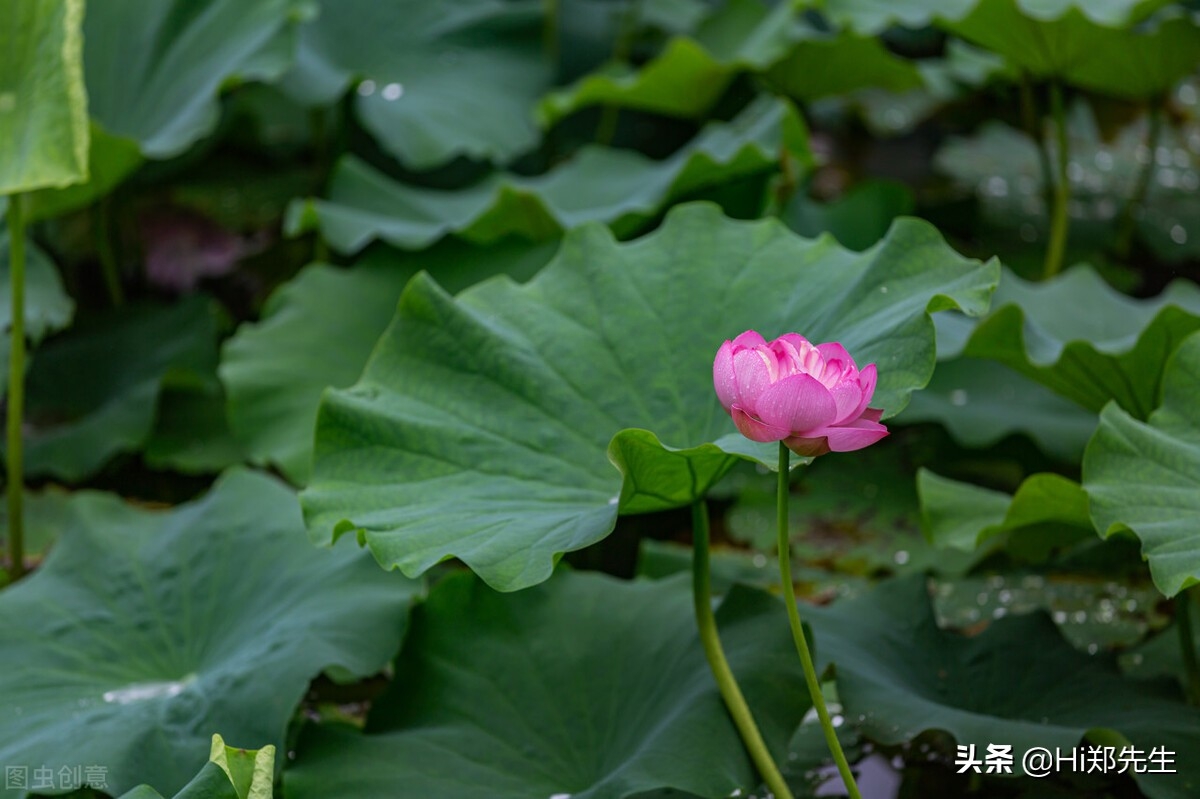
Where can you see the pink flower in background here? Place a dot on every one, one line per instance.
(182, 247)
(812, 398)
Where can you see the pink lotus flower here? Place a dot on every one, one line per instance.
(812, 398)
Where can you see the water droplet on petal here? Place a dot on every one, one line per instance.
(393, 91)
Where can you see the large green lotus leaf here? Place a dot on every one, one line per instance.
(443, 79)
(43, 102)
(115, 364)
(318, 330)
(1062, 40)
(874, 16)
(692, 72)
(585, 686)
(981, 402)
(154, 68)
(483, 426)
(621, 188)
(684, 80)
(144, 631)
(1017, 682)
(1084, 340)
(826, 65)
(1047, 513)
(1145, 476)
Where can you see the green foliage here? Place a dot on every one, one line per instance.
(1001, 167)
(154, 69)
(584, 686)
(690, 74)
(1069, 40)
(899, 675)
(1084, 340)
(1047, 513)
(981, 402)
(433, 260)
(111, 159)
(223, 615)
(1144, 476)
(230, 773)
(318, 331)
(116, 364)
(413, 55)
(857, 219)
(620, 188)
(494, 446)
(43, 101)
(48, 309)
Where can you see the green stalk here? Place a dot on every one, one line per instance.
(1187, 645)
(707, 624)
(1128, 222)
(789, 596)
(1059, 221)
(16, 387)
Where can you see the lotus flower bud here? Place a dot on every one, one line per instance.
(812, 398)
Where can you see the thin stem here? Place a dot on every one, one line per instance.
(707, 624)
(789, 596)
(1128, 222)
(16, 387)
(1059, 221)
(1187, 645)
(107, 252)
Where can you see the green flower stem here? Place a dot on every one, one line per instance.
(1187, 645)
(1059, 220)
(707, 624)
(789, 596)
(15, 469)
